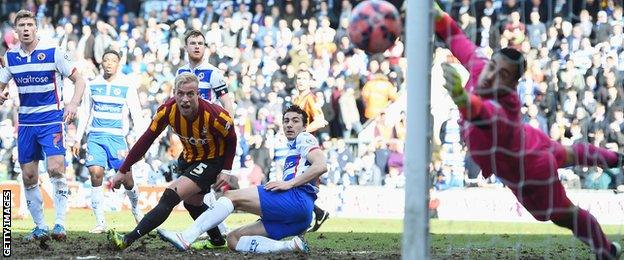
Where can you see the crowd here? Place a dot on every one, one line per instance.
(259, 46)
(572, 89)
(573, 86)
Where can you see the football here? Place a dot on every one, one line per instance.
(374, 25)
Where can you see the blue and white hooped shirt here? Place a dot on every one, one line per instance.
(39, 79)
(106, 106)
(211, 82)
(296, 162)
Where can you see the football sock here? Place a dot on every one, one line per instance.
(215, 235)
(133, 195)
(209, 219)
(34, 203)
(210, 199)
(589, 155)
(97, 206)
(154, 217)
(260, 244)
(61, 194)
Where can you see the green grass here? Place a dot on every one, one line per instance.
(338, 238)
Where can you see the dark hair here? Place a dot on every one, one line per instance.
(24, 14)
(517, 58)
(193, 33)
(298, 110)
(111, 51)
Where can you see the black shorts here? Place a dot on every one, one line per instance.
(203, 173)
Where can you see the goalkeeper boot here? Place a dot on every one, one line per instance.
(37, 234)
(58, 233)
(117, 240)
(174, 238)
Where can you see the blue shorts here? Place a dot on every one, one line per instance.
(37, 142)
(285, 213)
(107, 151)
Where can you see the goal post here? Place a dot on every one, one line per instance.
(419, 30)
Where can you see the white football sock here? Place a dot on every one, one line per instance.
(260, 244)
(60, 196)
(97, 206)
(209, 219)
(34, 203)
(210, 199)
(133, 195)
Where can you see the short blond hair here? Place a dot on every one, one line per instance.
(23, 14)
(184, 78)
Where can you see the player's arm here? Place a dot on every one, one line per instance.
(225, 128)
(139, 121)
(67, 69)
(459, 44)
(5, 76)
(158, 124)
(318, 122)
(472, 107)
(221, 91)
(83, 118)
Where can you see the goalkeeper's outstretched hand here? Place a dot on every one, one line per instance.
(437, 11)
(453, 84)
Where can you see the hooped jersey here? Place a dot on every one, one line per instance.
(296, 162)
(211, 82)
(39, 79)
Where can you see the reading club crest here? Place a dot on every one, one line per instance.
(200, 76)
(117, 92)
(41, 56)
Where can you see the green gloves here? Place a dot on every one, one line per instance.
(453, 85)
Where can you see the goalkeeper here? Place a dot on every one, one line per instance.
(523, 157)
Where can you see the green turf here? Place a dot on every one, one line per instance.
(365, 238)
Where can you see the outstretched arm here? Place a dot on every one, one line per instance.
(459, 44)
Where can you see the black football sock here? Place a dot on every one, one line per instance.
(154, 217)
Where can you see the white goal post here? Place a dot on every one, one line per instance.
(419, 31)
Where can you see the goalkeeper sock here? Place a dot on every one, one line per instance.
(61, 194)
(154, 217)
(260, 244)
(209, 219)
(590, 155)
(34, 203)
(215, 235)
(96, 205)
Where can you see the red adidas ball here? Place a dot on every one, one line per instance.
(374, 25)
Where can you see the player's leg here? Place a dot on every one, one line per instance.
(243, 199)
(320, 216)
(209, 199)
(195, 206)
(51, 139)
(29, 154)
(116, 148)
(253, 238)
(586, 154)
(97, 194)
(550, 202)
(180, 189)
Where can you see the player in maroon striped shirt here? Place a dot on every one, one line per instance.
(209, 140)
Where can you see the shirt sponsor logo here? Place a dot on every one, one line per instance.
(194, 141)
(30, 79)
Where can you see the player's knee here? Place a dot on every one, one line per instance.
(56, 172)
(30, 180)
(234, 197)
(169, 199)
